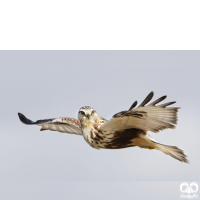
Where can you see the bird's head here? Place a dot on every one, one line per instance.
(87, 114)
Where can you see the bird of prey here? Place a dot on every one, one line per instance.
(125, 129)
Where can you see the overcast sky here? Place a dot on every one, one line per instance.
(52, 165)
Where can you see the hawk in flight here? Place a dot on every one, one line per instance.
(125, 129)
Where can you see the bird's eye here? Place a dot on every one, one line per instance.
(93, 112)
(82, 113)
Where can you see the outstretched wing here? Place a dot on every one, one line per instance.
(146, 118)
(62, 124)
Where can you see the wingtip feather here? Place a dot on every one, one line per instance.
(24, 120)
(133, 106)
(147, 99)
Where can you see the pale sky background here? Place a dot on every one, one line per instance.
(50, 165)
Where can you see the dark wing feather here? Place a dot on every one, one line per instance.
(62, 124)
(133, 106)
(147, 99)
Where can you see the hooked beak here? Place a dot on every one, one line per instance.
(88, 115)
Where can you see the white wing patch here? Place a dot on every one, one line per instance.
(62, 125)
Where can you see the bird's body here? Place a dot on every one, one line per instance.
(124, 129)
(90, 128)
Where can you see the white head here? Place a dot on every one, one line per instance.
(87, 114)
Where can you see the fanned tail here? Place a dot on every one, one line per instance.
(146, 141)
(173, 151)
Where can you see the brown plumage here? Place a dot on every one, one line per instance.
(125, 129)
